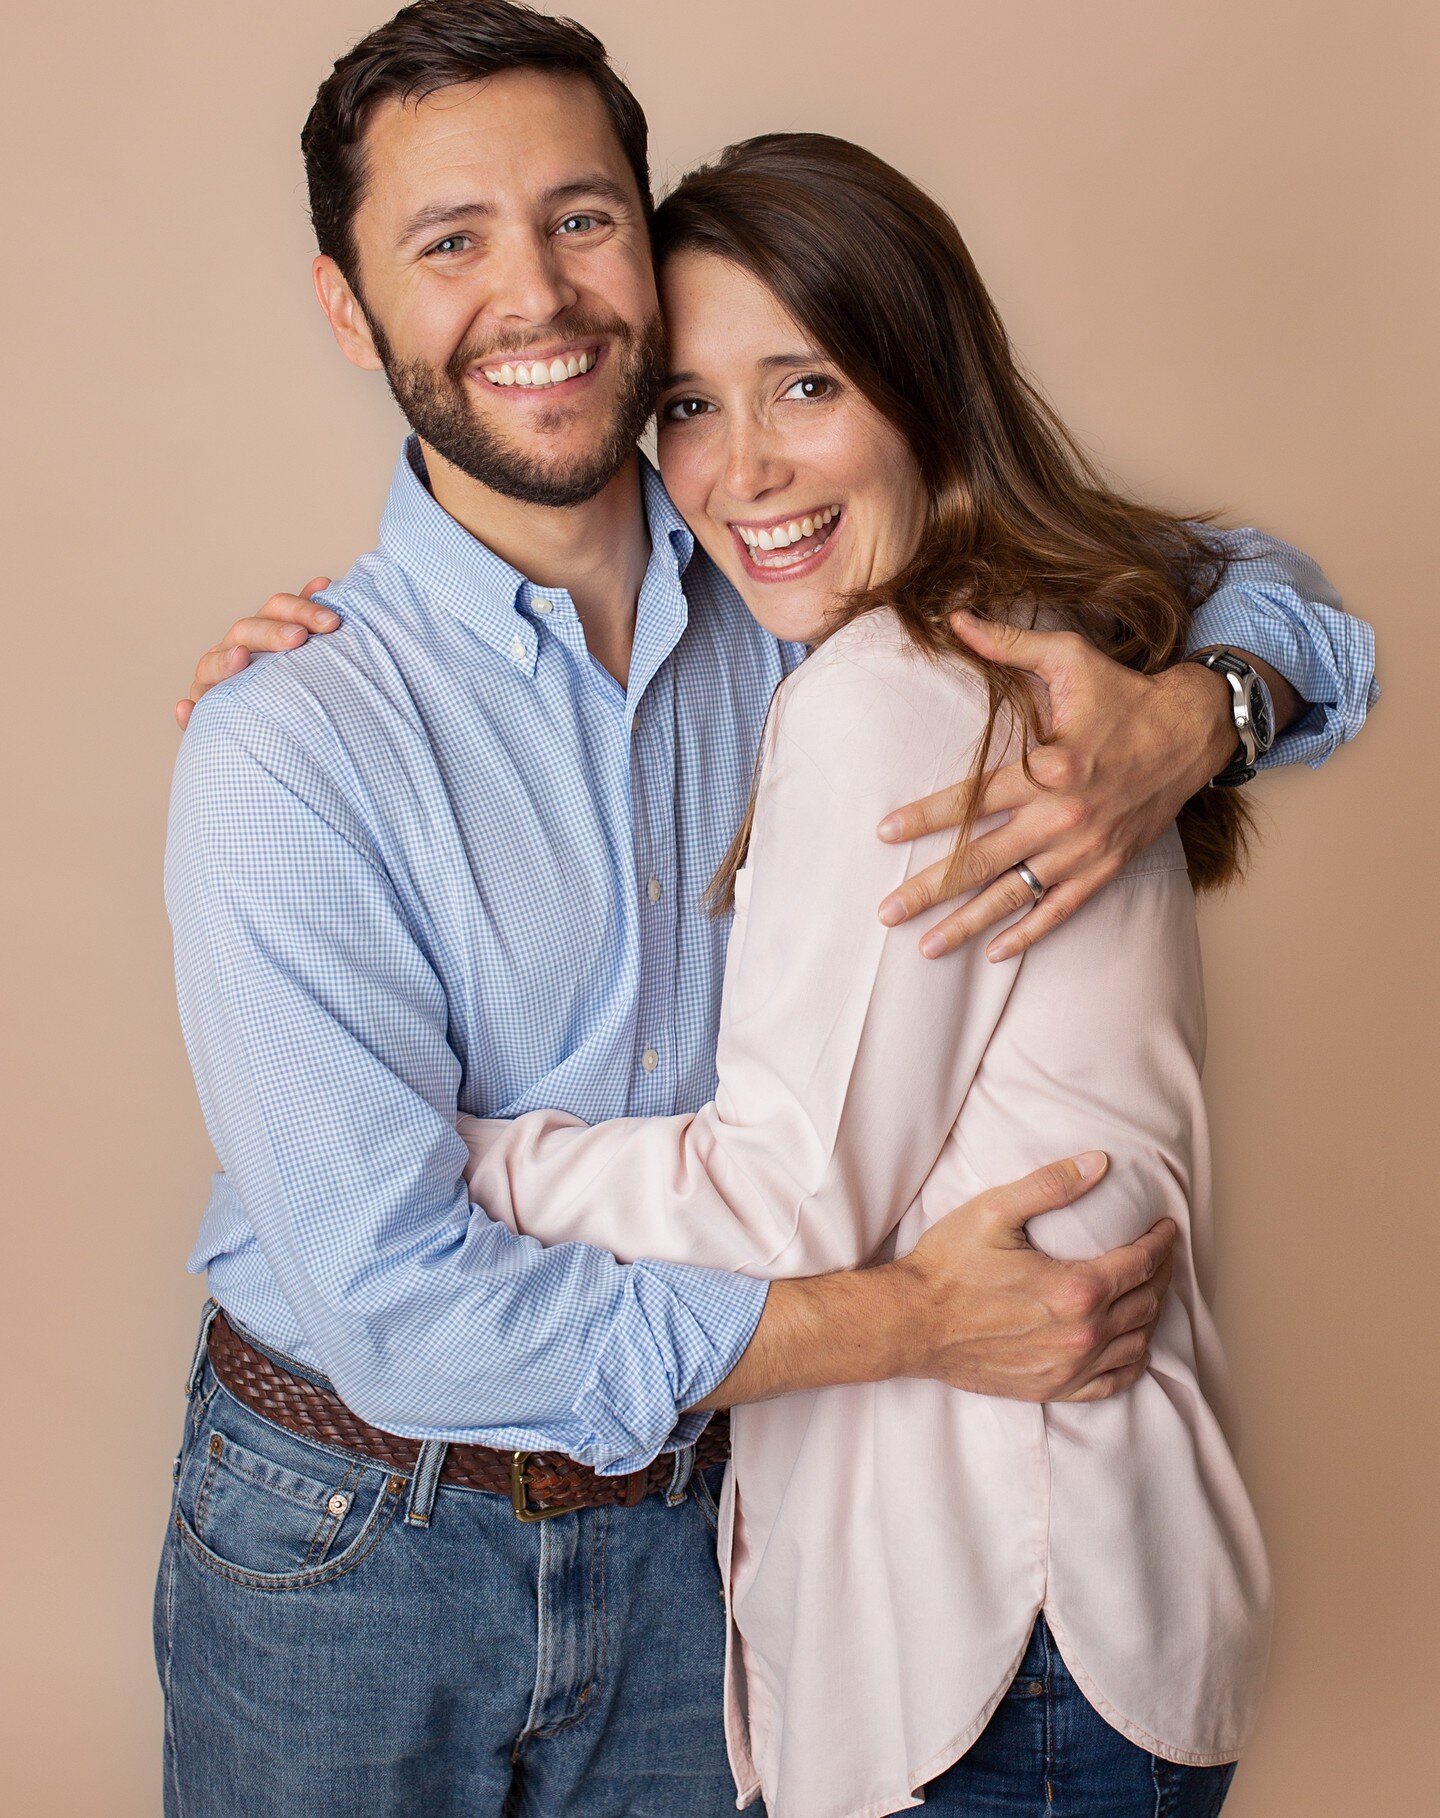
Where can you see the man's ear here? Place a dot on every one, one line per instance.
(347, 318)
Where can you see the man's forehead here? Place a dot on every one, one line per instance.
(520, 132)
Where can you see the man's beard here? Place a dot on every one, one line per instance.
(437, 406)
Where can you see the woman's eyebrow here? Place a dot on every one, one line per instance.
(800, 357)
(805, 356)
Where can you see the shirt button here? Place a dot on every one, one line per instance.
(652, 890)
(544, 607)
(649, 1060)
(518, 648)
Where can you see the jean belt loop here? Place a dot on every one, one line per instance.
(680, 1476)
(425, 1482)
(197, 1362)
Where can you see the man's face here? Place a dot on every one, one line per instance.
(508, 288)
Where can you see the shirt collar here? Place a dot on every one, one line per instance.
(460, 574)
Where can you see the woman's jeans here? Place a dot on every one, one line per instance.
(333, 1637)
(1047, 1753)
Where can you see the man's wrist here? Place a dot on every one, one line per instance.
(855, 1325)
(1199, 707)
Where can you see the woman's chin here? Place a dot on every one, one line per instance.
(795, 612)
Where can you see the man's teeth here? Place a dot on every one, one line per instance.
(781, 536)
(540, 372)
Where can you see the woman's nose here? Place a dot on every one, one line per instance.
(754, 464)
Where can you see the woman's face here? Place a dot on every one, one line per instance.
(791, 481)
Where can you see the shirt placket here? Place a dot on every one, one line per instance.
(655, 882)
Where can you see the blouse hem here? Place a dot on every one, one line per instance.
(946, 1757)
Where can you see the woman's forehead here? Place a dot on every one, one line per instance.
(716, 312)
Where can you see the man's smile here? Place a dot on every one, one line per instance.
(543, 371)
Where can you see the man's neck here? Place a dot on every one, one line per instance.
(597, 552)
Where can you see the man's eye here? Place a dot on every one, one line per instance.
(812, 385)
(578, 224)
(452, 243)
(685, 410)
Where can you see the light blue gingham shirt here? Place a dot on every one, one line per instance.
(440, 860)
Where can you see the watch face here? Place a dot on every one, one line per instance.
(1261, 718)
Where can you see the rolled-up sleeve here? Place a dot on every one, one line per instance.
(318, 1033)
(1274, 602)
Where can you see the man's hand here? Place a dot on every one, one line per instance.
(974, 1305)
(1122, 753)
(994, 1315)
(282, 623)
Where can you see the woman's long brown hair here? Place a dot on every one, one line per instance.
(1018, 518)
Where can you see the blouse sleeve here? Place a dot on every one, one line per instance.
(843, 1054)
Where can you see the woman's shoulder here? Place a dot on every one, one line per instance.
(873, 659)
(870, 699)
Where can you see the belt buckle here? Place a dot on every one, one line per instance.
(520, 1493)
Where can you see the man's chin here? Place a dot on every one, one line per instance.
(554, 479)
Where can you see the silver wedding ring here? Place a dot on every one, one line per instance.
(1031, 882)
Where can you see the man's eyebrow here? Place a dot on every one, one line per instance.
(592, 184)
(447, 214)
(442, 214)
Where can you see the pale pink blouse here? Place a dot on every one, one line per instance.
(886, 1548)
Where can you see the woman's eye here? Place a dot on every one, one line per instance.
(685, 410)
(812, 385)
(579, 224)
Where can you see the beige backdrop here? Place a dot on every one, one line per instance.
(1211, 231)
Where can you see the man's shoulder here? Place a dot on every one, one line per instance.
(303, 696)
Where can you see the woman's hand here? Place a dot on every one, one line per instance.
(284, 622)
(1122, 754)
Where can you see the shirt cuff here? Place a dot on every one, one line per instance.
(1330, 665)
(678, 1333)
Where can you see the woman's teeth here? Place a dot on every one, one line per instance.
(540, 372)
(782, 536)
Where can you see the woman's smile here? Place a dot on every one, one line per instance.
(789, 548)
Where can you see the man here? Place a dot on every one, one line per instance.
(450, 857)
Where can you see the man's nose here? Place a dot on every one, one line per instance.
(530, 285)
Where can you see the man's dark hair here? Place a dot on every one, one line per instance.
(431, 45)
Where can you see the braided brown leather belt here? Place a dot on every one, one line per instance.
(539, 1484)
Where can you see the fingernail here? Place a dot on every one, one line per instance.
(932, 946)
(889, 827)
(293, 634)
(892, 911)
(1090, 1163)
(327, 620)
(962, 612)
(997, 953)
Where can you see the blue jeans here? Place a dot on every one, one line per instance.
(332, 1637)
(1047, 1753)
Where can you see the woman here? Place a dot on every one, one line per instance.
(845, 432)
(1016, 1608)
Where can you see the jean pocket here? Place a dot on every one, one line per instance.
(275, 1510)
(1190, 1792)
(707, 1494)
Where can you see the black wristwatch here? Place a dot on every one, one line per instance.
(1252, 709)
